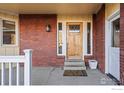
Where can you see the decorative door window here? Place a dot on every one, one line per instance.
(59, 38)
(74, 28)
(88, 38)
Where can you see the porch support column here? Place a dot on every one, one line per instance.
(122, 43)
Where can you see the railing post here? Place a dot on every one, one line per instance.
(27, 66)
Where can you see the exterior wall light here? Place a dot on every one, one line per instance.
(48, 28)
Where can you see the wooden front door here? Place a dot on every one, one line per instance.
(74, 40)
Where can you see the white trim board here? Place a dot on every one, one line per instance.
(112, 17)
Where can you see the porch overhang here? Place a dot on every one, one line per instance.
(43, 8)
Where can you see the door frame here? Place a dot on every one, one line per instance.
(84, 36)
(81, 30)
(108, 33)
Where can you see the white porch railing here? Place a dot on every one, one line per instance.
(25, 59)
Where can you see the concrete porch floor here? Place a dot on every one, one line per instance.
(54, 76)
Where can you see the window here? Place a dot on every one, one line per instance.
(116, 33)
(60, 43)
(59, 38)
(88, 38)
(59, 26)
(8, 32)
(74, 28)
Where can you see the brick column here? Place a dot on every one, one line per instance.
(122, 42)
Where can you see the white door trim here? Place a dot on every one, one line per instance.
(111, 18)
(84, 50)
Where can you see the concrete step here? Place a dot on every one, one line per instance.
(74, 68)
(74, 60)
(74, 63)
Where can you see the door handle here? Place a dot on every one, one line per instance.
(60, 43)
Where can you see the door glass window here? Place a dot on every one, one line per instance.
(88, 38)
(60, 26)
(74, 28)
(59, 38)
(116, 33)
(60, 43)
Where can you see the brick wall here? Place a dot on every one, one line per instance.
(122, 42)
(86, 58)
(33, 35)
(99, 38)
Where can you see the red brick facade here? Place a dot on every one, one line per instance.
(122, 42)
(33, 35)
(99, 38)
(86, 58)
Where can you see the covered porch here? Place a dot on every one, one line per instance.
(58, 33)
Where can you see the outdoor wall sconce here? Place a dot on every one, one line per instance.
(48, 28)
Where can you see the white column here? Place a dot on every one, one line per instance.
(27, 66)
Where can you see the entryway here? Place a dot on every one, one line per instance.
(74, 49)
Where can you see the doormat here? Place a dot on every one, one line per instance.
(75, 73)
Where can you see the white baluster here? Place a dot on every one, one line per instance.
(3, 73)
(18, 73)
(10, 74)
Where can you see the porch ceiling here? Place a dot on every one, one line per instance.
(41, 8)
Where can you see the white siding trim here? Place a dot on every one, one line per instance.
(84, 38)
